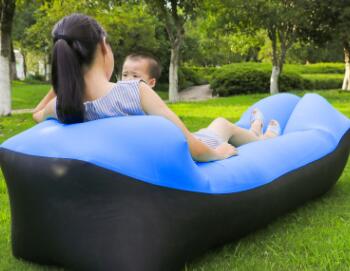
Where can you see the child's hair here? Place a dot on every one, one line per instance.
(154, 68)
(75, 39)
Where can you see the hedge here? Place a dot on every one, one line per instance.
(242, 78)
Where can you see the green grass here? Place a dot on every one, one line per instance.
(25, 96)
(314, 237)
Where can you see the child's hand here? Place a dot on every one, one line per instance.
(226, 150)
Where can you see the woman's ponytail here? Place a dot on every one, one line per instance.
(75, 40)
(68, 83)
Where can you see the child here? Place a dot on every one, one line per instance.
(146, 67)
(142, 66)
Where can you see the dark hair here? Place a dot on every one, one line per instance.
(154, 68)
(75, 40)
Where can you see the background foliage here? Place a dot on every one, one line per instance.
(211, 39)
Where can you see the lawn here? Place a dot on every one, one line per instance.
(314, 237)
(27, 96)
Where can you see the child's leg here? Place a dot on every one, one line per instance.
(232, 133)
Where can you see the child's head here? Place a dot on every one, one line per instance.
(141, 66)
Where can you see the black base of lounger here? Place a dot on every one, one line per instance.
(83, 217)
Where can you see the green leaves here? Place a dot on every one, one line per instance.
(130, 26)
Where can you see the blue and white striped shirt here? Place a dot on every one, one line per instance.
(122, 100)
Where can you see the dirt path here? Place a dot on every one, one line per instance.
(196, 93)
(21, 111)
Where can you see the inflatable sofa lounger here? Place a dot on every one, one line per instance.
(124, 194)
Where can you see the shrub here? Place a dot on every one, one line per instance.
(324, 81)
(333, 68)
(253, 77)
(35, 79)
(230, 82)
(241, 78)
(318, 68)
(192, 76)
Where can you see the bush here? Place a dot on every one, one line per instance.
(242, 78)
(191, 76)
(35, 79)
(253, 77)
(324, 81)
(226, 82)
(333, 68)
(318, 68)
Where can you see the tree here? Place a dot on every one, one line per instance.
(129, 25)
(343, 30)
(329, 21)
(131, 28)
(24, 19)
(204, 45)
(281, 19)
(309, 52)
(7, 10)
(174, 14)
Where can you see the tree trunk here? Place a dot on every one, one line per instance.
(173, 74)
(24, 63)
(48, 67)
(5, 86)
(7, 9)
(274, 80)
(346, 81)
(275, 64)
(13, 64)
(277, 69)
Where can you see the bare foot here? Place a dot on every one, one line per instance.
(256, 123)
(273, 130)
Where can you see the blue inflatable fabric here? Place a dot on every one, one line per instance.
(152, 149)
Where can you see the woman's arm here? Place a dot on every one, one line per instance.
(47, 111)
(152, 104)
(49, 96)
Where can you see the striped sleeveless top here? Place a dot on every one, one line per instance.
(124, 100)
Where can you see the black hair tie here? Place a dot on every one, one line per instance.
(63, 37)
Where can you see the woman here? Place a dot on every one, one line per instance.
(82, 65)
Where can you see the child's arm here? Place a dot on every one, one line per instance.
(49, 96)
(152, 104)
